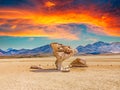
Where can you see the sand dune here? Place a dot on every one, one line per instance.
(102, 73)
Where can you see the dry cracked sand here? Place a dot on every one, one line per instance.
(102, 73)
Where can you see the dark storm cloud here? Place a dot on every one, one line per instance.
(12, 3)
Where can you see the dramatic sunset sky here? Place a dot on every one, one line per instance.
(33, 23)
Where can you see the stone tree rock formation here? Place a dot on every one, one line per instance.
(61, 52)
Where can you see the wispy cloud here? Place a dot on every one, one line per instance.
(62, 31)
(92, 39)
(31, 39)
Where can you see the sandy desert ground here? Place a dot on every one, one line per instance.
(102, 73)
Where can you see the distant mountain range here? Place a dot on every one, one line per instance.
(40, 50)
(95, 48)
(99, 48)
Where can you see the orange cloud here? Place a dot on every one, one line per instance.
(13, 27)
(49, 4)
(104, 23)
(51, 31)
(56, 18)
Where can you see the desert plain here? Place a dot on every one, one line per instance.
(102, 73)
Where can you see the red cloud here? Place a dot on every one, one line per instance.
(60, 13)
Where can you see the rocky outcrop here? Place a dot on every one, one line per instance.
(78, 63)
(61, 52)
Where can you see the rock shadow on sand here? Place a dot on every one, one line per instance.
(44, 70)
